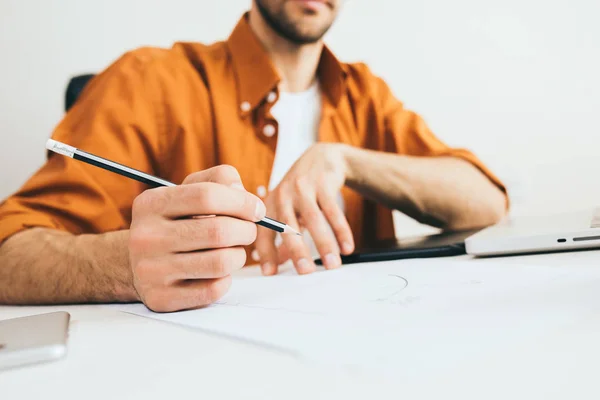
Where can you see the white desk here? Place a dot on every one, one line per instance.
(113, 355)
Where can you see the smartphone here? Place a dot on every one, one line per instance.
(32, 340)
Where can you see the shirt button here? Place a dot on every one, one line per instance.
(269, 130)
(271, 97)
(261, 191)
(255, 256)
(245, 106)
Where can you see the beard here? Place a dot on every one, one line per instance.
(286, 27)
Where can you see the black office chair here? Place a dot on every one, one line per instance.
(74, 89)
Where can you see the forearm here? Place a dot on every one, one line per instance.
(445, 192)
(44, 266)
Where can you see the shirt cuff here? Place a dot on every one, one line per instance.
(16, 223)
(476, 162)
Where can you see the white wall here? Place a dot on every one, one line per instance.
(517, 81)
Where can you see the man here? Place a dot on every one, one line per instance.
(276, 106)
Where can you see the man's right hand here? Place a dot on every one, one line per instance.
(186, 240)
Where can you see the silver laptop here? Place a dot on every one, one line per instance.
(570, 231)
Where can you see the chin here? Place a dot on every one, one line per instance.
(312, 24)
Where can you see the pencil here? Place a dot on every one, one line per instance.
(150, 180)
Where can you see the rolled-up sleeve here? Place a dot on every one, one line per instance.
(405, 132)
(118, 116)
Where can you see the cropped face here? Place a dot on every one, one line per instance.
(299, 21)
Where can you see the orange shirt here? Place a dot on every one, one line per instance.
(171, 112)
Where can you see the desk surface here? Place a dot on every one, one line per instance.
(113, 355)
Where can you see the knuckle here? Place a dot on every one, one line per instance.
(250, 202)
(226, 232)
(283, 188)
(143, 202)
(344, 233)
(300, 184)
(218, 232)
(295, 250)
(311, 216)
(203, 196)
(215, 290)
(327, 246)
(250, 234)
(330, 213)
(194, 178)
(322, 181)
(296, 255)
(226, 261)
(342, 228)
(220, 264)
(281, 200)
(186, 229)
(143, 239)
(225, 173)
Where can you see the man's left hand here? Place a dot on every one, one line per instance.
(306, 199)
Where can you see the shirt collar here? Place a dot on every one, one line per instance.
(257, 76)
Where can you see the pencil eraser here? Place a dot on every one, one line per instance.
(60, 148)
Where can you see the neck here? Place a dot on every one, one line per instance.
(296, 63)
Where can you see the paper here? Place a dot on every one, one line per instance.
(410, 316)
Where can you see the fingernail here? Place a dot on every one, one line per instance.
(332, 261)
(238, 186)
(304, 266)
(347, 247)
(260, 211)
(268, 269)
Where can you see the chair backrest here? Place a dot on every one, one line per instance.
(74, 89)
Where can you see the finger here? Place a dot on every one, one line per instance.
(222, 174)
(294, 245)
(209, 264)
(267, 252)
(337, 220)
(202, 199)
(321, 233)
(187, 295)
(210, 233)
(189, 235)
(283, 255)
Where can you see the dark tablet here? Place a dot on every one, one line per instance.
(439, 245)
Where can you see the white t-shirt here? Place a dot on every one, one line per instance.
(298, 116)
